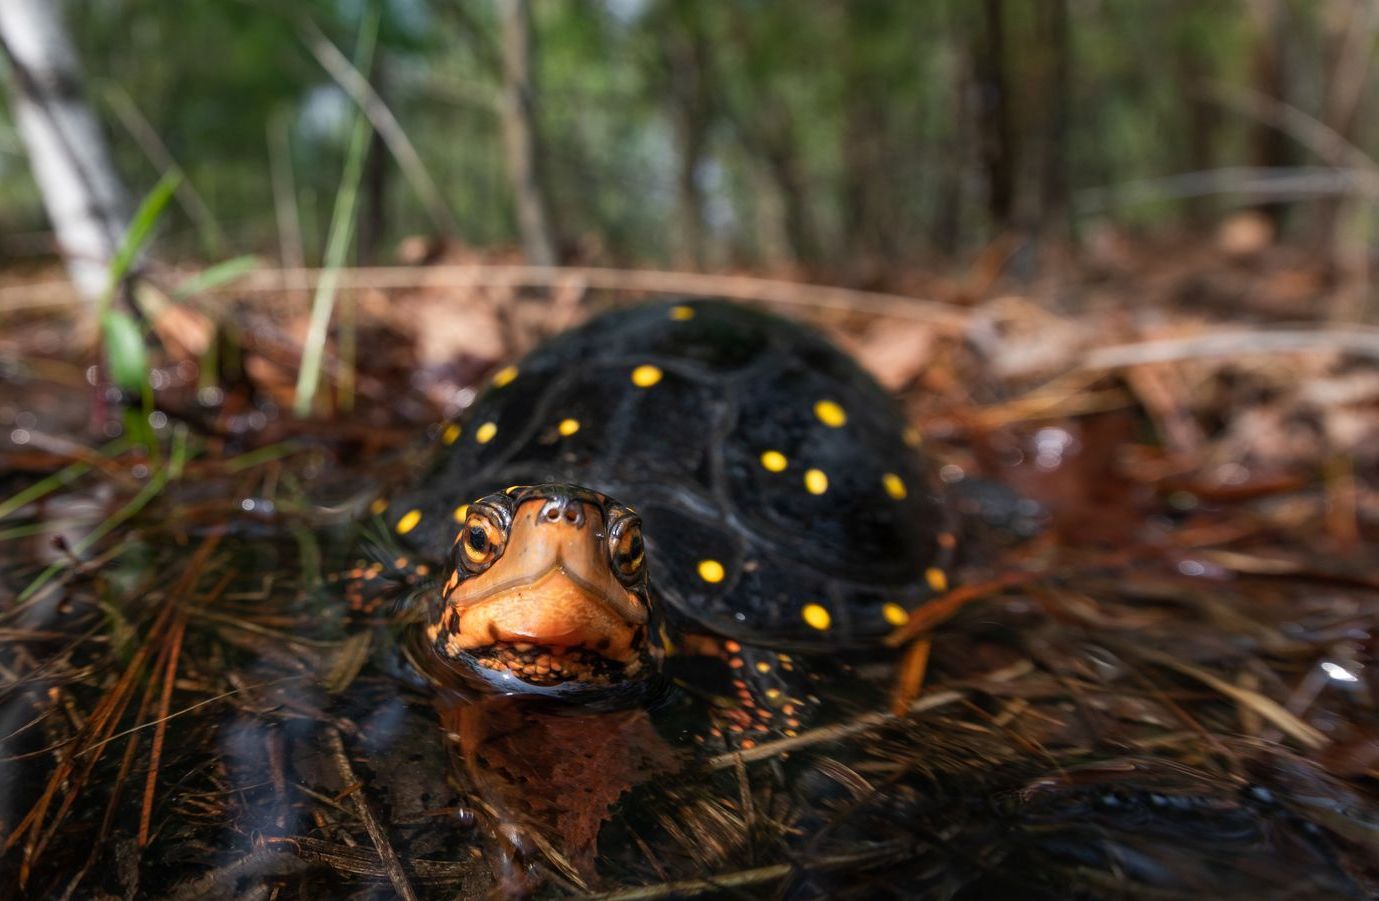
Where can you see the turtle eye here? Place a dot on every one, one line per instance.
(480, 542)
(625, 547)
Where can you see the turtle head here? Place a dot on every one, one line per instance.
(547, 592)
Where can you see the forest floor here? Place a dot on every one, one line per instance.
(1171, 686)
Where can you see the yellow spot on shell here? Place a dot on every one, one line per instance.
(484, 434)
(568, 427)
(646, 375)
(774, 461)
(504, 375)
(937, 578)
(830, 414)
(681, 312)
(895, 614)
(815, 481)
(763, 666)
(711, 571)
(451, 434)
(408, 522)
(378, 506)
(460, 512)
(895, 486)
(816, 616)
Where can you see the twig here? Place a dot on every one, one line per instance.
(160, 732)
(931, 613)
(743, 878)
(1325, 141)
(228, 881)
(909, 679)
(353, 82)
(185, 710)
(392, 865)
(99, 724)
(191, 201)
(285, 195)
(944, 317)
(1248, 342)
(1266, 707)
(948, 317)
(1255, 182)
(112, 805)
(363, 862)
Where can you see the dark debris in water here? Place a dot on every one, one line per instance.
(1168, 693)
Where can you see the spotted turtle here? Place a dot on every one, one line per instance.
(693, 479)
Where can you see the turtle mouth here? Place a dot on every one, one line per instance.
(549, 665)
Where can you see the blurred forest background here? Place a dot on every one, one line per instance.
(845, 141)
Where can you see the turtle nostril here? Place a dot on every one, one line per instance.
(563, 508)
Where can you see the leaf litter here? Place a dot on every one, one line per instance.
(1168, 685)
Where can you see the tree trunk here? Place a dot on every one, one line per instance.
(765, 126)
(1056, 52)
(949, 181)
(867, 179)
(521, 136)
(373, 223)
(68, 154)
(783, 166)
(994, 126)
(685, 52)
(1269, 146)
(1346, 223)
(1195, 77)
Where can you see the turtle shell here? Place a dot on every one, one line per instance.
(783, 499)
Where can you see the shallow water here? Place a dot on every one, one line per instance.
(187, 711)
(297, 753)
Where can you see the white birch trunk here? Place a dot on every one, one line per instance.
(68, 156)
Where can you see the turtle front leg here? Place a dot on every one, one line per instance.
(374, 590)
(754, 695)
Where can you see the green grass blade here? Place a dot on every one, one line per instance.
(215, 276)
(140, 228)
(337, 242)
(108, 525)
(60, 479)
(263, 455)
(181, 453)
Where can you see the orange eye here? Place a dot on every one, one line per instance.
(626, 549)
(481, 542)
